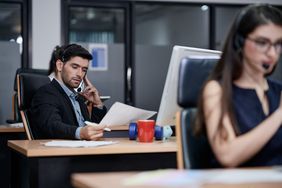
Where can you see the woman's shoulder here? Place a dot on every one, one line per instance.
(212, 85)
(212, 88)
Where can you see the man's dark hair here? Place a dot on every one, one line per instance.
(54, 57)
(73, 50)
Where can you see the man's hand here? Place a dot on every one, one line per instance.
(90, 132)
(91, 94)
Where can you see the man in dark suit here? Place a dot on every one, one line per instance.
(57, 110)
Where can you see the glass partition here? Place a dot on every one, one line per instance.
(102, 31)
(10, 23)
(157, 29)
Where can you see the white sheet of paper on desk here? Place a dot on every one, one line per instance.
(122, 114)
(194, 178)
(233, 176)
(17, 125)
(77, 143)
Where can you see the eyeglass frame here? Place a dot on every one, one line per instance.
(267, 44)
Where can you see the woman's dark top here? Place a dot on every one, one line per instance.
(249, 113)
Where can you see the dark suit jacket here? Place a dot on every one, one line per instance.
(53, 116)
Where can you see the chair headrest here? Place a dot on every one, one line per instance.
(25, 70)
(28, 84)
(192, 75)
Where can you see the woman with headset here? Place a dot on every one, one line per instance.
(240, 109)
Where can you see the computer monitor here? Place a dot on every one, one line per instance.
(168, 106)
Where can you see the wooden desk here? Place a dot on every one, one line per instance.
(11, 129)
(35, 148)
(117, 180)
(57, 163)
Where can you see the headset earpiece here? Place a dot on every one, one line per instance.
(238, 42)
(63, 56)
(238, 39)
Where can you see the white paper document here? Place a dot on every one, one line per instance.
(234, 176)
(77, 143)
(122, 114)
(17, 125)
(195, 178)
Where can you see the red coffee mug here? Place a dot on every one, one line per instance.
(146, 130)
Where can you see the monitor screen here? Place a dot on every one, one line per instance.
(168, 106)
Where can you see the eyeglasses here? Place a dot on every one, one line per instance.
(264, 45)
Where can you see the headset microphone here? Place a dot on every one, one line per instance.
(265, 66)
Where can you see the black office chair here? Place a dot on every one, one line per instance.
(193, 152)
(27, 85)
(16, 112)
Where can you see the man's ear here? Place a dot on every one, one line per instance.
(59, 65)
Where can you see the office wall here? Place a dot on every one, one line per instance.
(157, 31)
(171, 25)
(151, 68)
(111, 81)
(46, 30)
(9, 61)
(224, 17)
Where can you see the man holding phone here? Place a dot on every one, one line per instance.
(58, 110)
